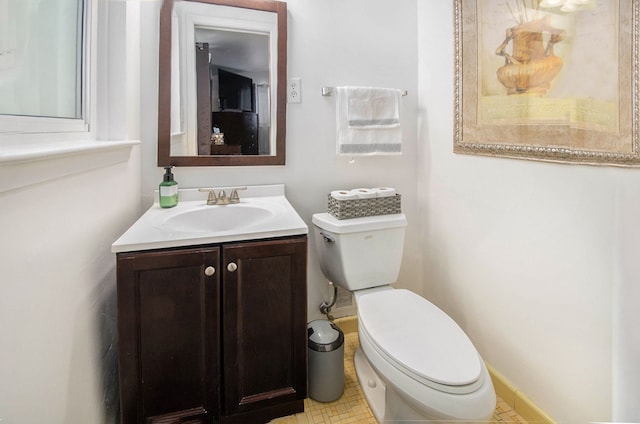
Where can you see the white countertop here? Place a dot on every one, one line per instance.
(148, 233)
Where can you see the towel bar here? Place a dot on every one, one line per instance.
(328, 91)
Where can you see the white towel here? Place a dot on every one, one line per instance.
(368, 121)
(370, 108)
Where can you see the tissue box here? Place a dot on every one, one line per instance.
(357, 208)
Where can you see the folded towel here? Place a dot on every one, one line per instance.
(369, 108)
(368, 121)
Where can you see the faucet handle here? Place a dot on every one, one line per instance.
(235, 198)
(211, 199)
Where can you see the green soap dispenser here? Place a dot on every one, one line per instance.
(168, 189)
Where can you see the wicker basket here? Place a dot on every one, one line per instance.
(347, 209)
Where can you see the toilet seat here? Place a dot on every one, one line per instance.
(420, 340)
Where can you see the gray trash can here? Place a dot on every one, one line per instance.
(326, 360)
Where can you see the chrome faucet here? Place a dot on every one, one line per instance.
(221, 198)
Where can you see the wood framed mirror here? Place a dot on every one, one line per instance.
(222, 83)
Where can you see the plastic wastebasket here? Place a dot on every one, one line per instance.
(326, 360)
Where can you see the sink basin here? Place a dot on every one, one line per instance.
(218, 218)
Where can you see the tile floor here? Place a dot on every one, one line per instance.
(353, 408)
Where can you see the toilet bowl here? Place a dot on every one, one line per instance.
(427, 366)
(414, 361)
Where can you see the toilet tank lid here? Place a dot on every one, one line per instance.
(328, 222)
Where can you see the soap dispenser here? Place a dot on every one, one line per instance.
(168, 189)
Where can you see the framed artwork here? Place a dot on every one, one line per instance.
(553, 80)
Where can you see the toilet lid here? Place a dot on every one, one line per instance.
(418, 338)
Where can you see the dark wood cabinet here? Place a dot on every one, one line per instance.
(168, 328)
(213, 333)
(239, 128)
(264, 310)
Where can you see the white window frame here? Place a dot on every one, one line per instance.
(15, 130)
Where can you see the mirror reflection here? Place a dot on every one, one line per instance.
(225, 62)
(233, 85)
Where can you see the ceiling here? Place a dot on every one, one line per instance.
(240, 51)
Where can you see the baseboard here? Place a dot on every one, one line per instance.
(504, 389)
(517, 400)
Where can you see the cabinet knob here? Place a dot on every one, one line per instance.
(209, 271)
(232, 267)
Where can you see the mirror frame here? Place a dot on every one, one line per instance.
(164, 91)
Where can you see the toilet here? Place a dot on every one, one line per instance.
(414, 362)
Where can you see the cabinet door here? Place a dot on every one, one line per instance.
(264, 325)
(168, 309)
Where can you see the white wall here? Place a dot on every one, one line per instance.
(626, 297)
(58, 360)
(532, 259)
(331, 42)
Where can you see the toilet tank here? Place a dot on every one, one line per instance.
(360, 253)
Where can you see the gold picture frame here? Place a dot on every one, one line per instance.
(551, 80)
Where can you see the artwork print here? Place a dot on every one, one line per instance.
(552, 80)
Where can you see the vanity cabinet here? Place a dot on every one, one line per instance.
(213, 333)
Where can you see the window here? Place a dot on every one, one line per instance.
(43, 66)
